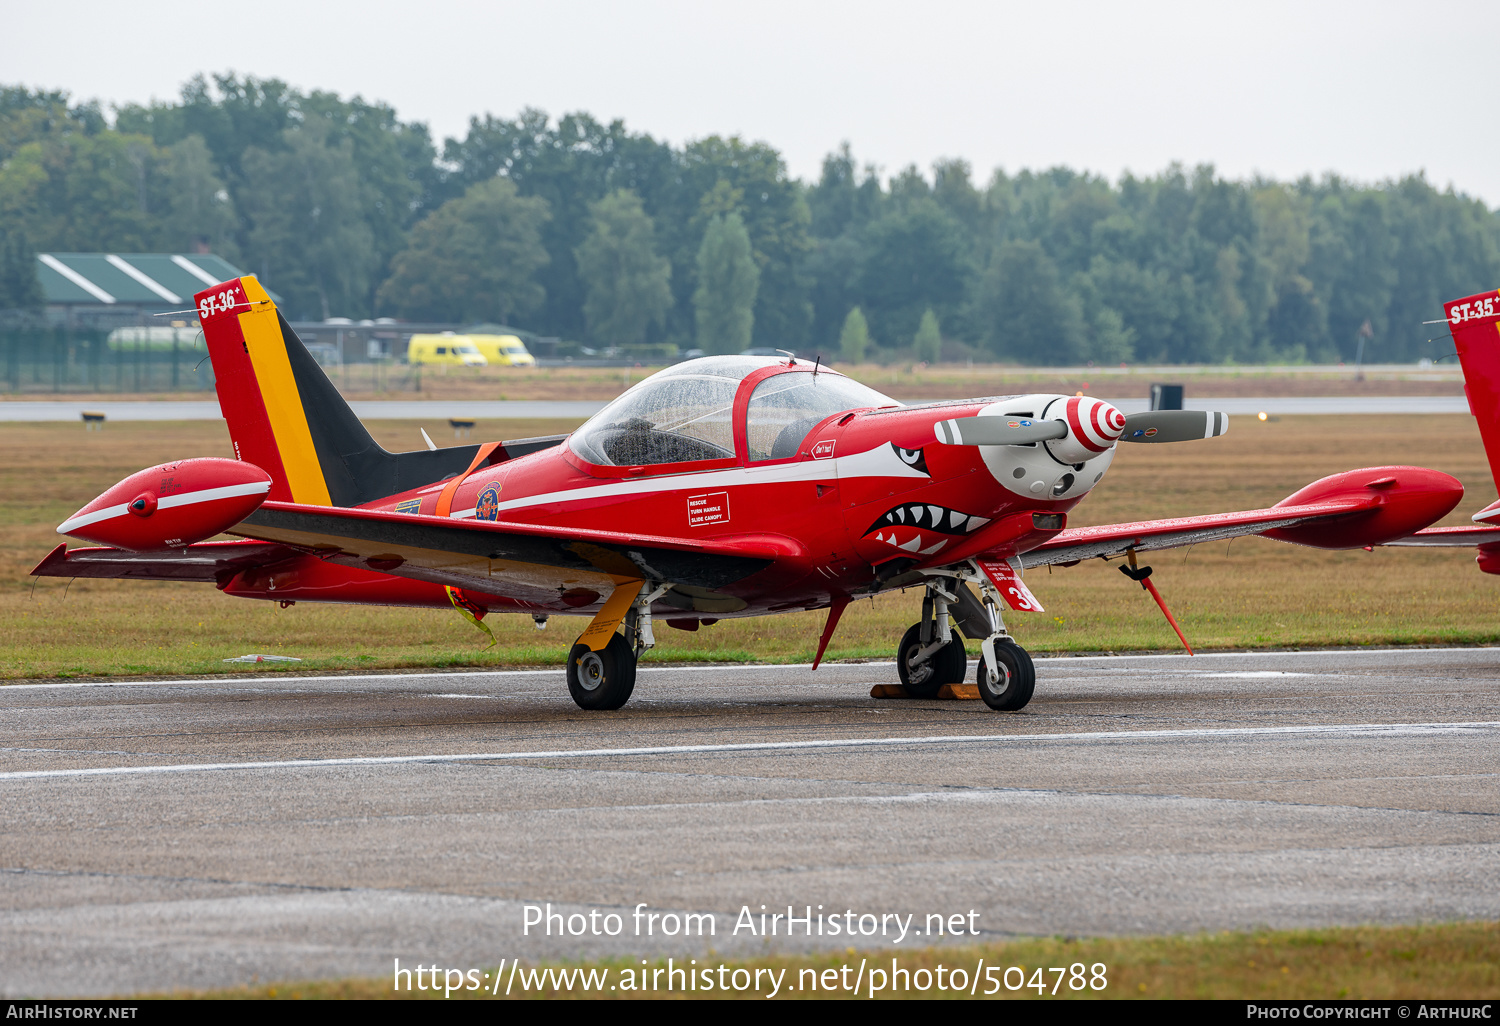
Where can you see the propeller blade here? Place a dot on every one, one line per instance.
(998, 430)
(1174, 425)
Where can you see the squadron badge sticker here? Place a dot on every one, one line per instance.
(488, 506)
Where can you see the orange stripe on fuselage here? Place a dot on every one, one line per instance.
(281, 398)
(445, 498)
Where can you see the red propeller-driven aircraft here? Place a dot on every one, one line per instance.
(721, 487)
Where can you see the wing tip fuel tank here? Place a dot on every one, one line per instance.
(1406, 499)
(171, 504)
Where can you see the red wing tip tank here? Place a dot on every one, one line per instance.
(1391, 503)
(171, 505)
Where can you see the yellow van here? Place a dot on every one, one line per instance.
(503, 350)
(444, 349)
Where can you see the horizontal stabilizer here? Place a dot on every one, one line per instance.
(206, 561)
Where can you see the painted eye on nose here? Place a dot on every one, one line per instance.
(912, 458)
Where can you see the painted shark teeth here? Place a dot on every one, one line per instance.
(928, 517)
(912, 544)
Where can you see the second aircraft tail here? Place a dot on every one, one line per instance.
(1475, 323)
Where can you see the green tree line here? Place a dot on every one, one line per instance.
(586, 230)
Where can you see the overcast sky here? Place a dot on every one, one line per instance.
(1370, 90)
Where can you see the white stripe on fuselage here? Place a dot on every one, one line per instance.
(880, 461)
(180, 499)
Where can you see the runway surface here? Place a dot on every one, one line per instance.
(212, 832)
(416, 409)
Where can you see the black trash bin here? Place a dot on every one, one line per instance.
(1166, 397)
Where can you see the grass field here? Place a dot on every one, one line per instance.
(1436, 962)
(1251, 593)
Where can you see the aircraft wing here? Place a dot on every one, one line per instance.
(1451, 537)
(1075, 543)
(525, 561)
(205, 561)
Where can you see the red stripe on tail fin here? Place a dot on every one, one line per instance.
(240, 399)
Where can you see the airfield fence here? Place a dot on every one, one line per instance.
(130, 353)
(49, 358)
(42, 359)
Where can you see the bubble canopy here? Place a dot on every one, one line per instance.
(685, 414)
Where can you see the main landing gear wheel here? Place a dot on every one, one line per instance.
(1011, 688)
(603, 679)
(924, 679)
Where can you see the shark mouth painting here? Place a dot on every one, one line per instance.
(922, 527)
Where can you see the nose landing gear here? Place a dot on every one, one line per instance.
(1007, 681)
(1006, 676)
(931, 655)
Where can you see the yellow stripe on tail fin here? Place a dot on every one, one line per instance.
(267, 347)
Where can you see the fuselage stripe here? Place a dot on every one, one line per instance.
(840, 467)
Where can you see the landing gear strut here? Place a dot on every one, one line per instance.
(1006, 676)
(604, 679)
(930, 654)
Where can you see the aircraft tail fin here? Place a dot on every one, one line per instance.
(287, 418)
(1475, 323)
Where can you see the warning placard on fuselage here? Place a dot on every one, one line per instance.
(708, 508)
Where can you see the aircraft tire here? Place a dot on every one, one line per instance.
(602, 680)
(1014, 689)
(958, 661)
(945, 666)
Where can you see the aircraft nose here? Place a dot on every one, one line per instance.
(1093, 427)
